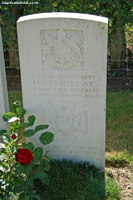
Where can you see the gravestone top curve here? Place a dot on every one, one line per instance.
(66, 15)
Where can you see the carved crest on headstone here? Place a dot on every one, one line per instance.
(62, 49)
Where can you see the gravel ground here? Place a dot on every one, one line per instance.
(124, 179)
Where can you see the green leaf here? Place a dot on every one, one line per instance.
(37, 154)
(30, 181)
(3, 131)
(31, 119)
(41, 127)
(29, 133)
(25, 125)
(27, 198)
(36, 196)
(29, 170)
(37, 157)
(17, 188)
(22, 196)
(8, 116)
(46, 138)
(2, 145)
(47, 166)
(39, 150)
(15, 105)
(6, 138)
(14, 125)
(25, 146)
(20, 111)
(42, 176)
(30, 146)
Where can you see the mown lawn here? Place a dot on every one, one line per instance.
(119, 126)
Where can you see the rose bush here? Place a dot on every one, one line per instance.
(22, 163)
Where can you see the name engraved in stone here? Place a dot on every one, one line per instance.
(79, 86)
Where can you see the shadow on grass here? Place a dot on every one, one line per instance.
(71, 181)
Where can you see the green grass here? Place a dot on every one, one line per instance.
(13, 96)
(119, 159)
(70, 181)
(120, 125)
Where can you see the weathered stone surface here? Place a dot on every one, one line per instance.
(63, 58)
(3, 87)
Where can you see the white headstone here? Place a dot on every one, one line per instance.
(63, 59)
(3, 87)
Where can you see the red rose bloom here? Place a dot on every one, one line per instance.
(23, 156)
(13, 136)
